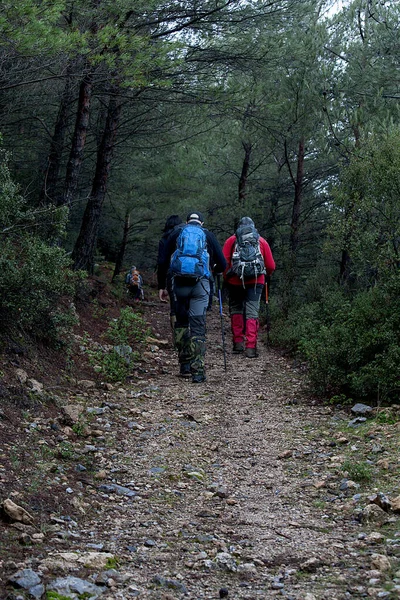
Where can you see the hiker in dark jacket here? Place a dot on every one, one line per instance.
(171, 223)
(191, 291)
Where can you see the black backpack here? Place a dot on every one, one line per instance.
(247, 260)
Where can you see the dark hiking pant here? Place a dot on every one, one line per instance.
(191, 301)
(135, 292)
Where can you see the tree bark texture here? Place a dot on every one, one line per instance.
(291, 266)
(344, 266)
(83, 253)
(48, 193)
(78, 141)
(245, 171)
(298, 193)
(124, 242)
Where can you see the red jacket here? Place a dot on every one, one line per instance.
(267, 256)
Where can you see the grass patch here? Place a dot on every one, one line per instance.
(79, 428)
(358, 471)
(387, 416)
(51, 595)
(66, 451)
(112, 563)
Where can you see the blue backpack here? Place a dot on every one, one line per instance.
(191, 258)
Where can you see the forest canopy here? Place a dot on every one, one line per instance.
(115, 115)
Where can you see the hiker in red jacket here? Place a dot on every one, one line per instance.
(249, 259)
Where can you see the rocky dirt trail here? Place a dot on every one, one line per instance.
(235, 488)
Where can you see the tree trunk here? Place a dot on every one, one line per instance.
(344, 266)
(298, 193)
(78, 141)
(50, 179)
(83, 253)
(291, 266)
(244, 174)
(121, 252)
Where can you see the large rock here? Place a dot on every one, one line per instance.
(311, 565)
(86, 384)
(170, 584)
(396, 504)
(356, 422)
(35, 386)
(28, 580)
(380, 500)
(21, 375)
(75, 588)
(114, 488)
(72, 413)
(61, 561)
(374, 514)
(361, 410)
(374, 538)
(225, 561)
(16, 513)
(380, 562)
(71, 561)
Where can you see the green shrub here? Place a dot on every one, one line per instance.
(51, 595)
(126, 334)
(358, 470)
(387, 416)
(351, 343)
(36, 285)
(350, 334)
(302, 321)
(129, 328)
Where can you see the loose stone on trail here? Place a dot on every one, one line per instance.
(361, 409)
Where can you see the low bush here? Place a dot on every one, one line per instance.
(36, 284)
(126, 334)
(351, 343)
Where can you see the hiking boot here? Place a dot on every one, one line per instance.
(198, 378)
(184, 370)
(238, 347)
(250, 353)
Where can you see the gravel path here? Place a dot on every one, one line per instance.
(233, 488)
(227, 475)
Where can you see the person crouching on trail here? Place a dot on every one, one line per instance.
(190, 250)
(134, 284)
(249, 259)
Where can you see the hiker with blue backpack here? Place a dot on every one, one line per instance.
(192, 254)
(249, 259)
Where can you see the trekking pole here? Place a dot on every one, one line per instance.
(222, 318)
(267, 284)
